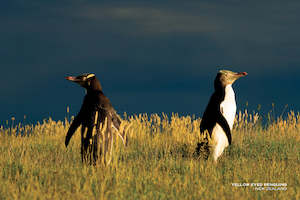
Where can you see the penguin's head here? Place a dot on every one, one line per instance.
(87, 81)
(227, 77)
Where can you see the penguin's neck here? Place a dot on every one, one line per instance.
(92, 91)
(229, 93)
(228, 105)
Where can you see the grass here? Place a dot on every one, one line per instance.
(158, 162)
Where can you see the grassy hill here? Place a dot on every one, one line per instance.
(158, 162)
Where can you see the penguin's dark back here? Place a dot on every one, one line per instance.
(89, 107)
(209, 118)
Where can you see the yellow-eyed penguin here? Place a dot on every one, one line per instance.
(95, 109)
(219, 115)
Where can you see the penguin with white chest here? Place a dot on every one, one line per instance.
(219, 115)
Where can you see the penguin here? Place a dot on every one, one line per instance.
(96, 109)
(219, 115)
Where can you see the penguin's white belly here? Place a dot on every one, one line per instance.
(220, 141)
(228, 107)
(228, 110)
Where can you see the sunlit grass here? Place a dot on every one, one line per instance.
(158, 162)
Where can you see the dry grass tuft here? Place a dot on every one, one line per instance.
(158, 162)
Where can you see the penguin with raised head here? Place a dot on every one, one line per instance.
(96, 109)
(219, 115)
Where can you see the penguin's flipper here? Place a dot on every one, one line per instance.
(209, 117)
(223, 123)
(75, 124)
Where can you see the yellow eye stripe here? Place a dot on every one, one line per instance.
(90, 76)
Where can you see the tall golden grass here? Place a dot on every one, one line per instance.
(158, 162)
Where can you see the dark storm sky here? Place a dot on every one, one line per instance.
(151, 56)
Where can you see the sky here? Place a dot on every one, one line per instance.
(150, 56)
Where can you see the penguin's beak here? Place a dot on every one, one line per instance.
(236, 76)
(72, 78)
(241, 74)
